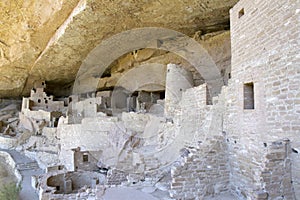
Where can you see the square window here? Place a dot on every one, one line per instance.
(85, 158)
(241, 12)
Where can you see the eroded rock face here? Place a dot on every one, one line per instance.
(50, 39)
(26, 27)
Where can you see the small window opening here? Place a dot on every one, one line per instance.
(39, 101)
(57, 188)
(265, 144)
(249, 96)
(241, 12)
(162, 95)
(85, 158)
(46, 101)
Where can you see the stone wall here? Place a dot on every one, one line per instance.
(116, 177)
(194, 113)
(202, 171)
(265, 52)
(276, 175)
(67, 185)
(87, 108)
(11, 142)
(257, 109)
(86, 160)
(203, 168)
(91, 135)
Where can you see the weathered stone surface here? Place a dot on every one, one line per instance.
(49, 40)
(26, 27)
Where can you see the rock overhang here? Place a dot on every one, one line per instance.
(51, 45)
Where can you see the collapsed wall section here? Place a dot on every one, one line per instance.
(202, 171)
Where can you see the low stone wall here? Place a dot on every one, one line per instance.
(10, 161)
(68, 185)
(116, 177)
(11, 142)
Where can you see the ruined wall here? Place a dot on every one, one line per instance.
(265, 59)
(43, 148)
(86, 160)
(202, 171)
(194, 113)
(91, 135)
(276, 174)
(39, 100)
(87, 107)
(65, 185)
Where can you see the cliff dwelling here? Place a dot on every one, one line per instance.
(152, 100)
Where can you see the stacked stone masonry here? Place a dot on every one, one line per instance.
(202, 171)
(265, 52)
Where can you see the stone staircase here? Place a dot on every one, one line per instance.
(151, 163)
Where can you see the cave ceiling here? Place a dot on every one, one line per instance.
(49, 39)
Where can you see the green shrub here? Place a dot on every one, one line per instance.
(10, 191)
